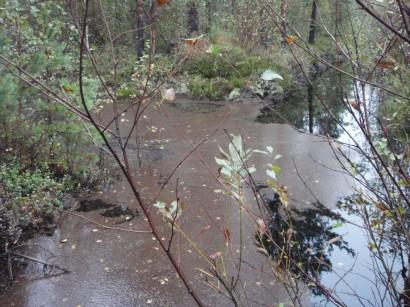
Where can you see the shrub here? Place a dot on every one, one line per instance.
(237, 82)
(219, 61)
(127, 90)
(214, 89)
(236, 67)
(253, 64)
(28, 199)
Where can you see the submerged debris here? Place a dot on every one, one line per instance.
(120, 211)
(88, 205)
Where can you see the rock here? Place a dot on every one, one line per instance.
(267, 90)
(235, 93)
(273, 91)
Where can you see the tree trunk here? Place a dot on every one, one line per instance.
(139, 15)
(87, 38)
(193, 18)
(284, 5)
(209, 14)
(310, 108)
(311, 40)
(152, 20)
(312, 28)
(338, 22)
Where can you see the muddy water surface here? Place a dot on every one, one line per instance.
(118, 268)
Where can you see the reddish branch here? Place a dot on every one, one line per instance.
(126, 172)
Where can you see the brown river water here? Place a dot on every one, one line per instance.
(118, 268)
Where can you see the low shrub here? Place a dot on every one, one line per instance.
(28, 200)
(223, 68)
(219, 61)
(214, 89)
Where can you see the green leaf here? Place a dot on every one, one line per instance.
(160, 205)
(224, 163)
(237, 143)
(261, 151)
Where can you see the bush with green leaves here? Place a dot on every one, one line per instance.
(34, 129)
(28, 200)
(214, 89)
(146, 74)
(233, 65)
(44, 148)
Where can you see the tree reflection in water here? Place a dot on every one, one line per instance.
(307, 237)
(305, 111)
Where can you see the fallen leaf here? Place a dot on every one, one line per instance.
(262, 226)
(386, 64)
(205, 228)
(215, 255)
(227, 236)
(355, 104)
(193, 41)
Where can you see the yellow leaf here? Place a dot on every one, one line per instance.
(193, 41)
(283, 195)
(67, 89)
(386, 64)
(162, 2)
(290, 39)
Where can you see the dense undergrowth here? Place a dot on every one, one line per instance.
(44, 148)
(222, 68)
(211, 71)
(29, 200)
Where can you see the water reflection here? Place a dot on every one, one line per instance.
(305, 111)
(308, 237)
